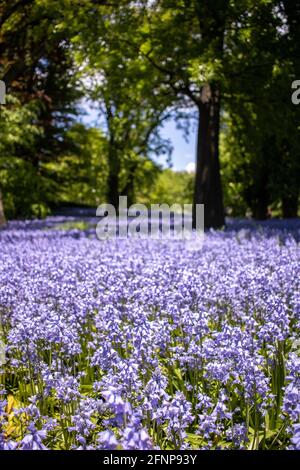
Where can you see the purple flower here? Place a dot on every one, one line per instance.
(107, 440)
(142, 344)
(295, 440)
(33, 439)
(136, 439)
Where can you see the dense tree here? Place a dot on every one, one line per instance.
(17, 129)
(290, 196)
(263, 147)
(126, 92)
(218, 61)
(37, 68)
(124, 57)
(191, 70)
(81, 171)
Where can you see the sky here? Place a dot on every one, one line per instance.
(183, 155)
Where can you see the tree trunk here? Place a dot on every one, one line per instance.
(113, 189)
(208, 188)
(2, 216)
(260, 210)
(113, 178)
(212, 17)
(292, 10)
(261, 199)
(290, 206)
(129, 189)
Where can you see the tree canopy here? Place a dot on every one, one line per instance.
(231, 63)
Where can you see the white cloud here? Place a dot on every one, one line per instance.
(191, 167)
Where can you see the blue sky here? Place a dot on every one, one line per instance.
(183, 156)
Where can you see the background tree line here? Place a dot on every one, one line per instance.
(228, 64)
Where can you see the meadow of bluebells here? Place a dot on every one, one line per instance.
(143, 344)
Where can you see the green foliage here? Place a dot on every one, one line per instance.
(142, 62)
(39, 75)
(21, 182)
(81, 173)
(126, 90)
(260, 149)
(171, 187)
(80, 225)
